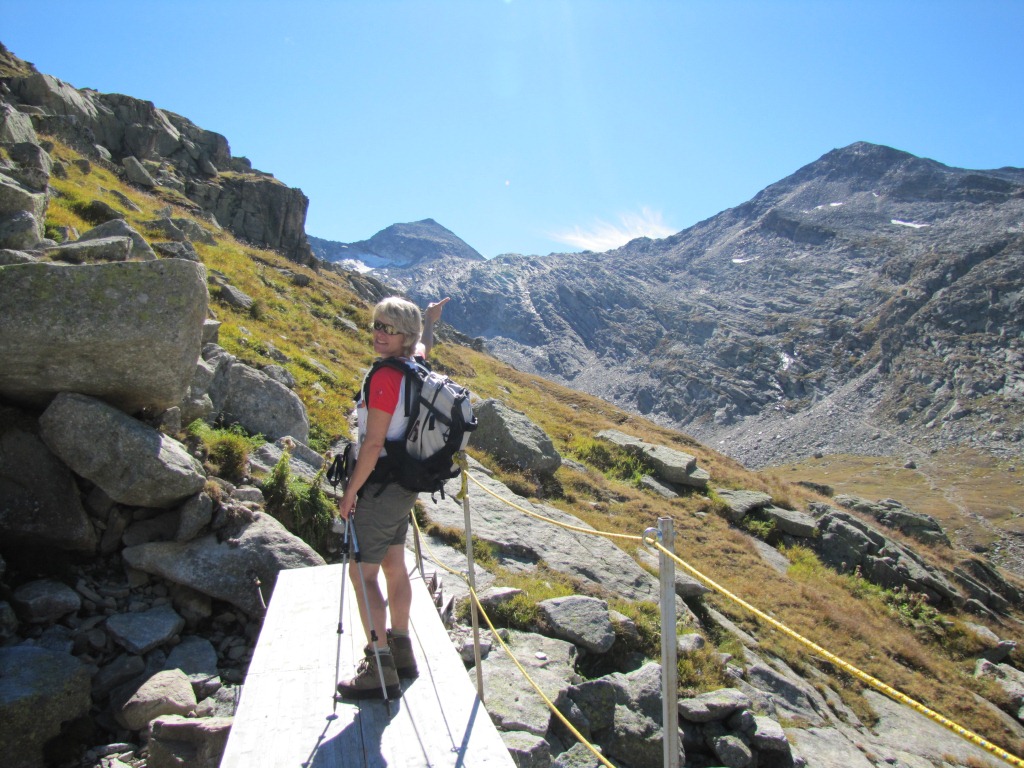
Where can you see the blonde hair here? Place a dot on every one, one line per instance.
(406, 318)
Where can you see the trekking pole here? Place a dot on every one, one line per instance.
(341, 603)
(369, 616)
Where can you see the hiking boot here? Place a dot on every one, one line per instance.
(405, 661)
(366, 683)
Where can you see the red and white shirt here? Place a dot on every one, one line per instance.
(386, 392)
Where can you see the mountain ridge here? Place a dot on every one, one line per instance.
(869, 264)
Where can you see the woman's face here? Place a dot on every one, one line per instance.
(387, 344)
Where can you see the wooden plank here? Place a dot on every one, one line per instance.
(287, 716)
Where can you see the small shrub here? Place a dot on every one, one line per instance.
(593, 452)
(54, 232)
(313, 511)
(960, 643)
(611, 460)
(319, 440)
(519, 613)
(804, 564)
(760, 527)
(731, 645)
(302, 507)
(275, 487)
(701, 671)
(646, 616)
(227, 449)
(714, 505)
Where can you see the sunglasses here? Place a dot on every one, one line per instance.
(387, 328)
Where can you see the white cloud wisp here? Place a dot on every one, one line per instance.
(604, 236)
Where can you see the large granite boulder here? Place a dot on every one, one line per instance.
(41, 504)
(225, 566)
(32, 165)
(45, 601)
(139, 632)
(90, 251)
(622, 713)
(583, 621)
(40, 691)
(168, 692)
(132, 462)
(21, 210)
(548, 661)
(513, 439)
(16, 127)
(738, 503)
(241, 394)
(141, 249)
(197, 742)
(129, 333)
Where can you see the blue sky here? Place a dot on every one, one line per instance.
(533, 126)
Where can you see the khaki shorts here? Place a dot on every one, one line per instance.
(382, 521)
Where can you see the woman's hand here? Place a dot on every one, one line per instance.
(434, 309)
(347, 505)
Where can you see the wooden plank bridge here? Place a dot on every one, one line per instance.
(287, 715)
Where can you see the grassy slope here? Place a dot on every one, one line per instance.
(328, 359)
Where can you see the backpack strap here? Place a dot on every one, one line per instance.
(408, 369)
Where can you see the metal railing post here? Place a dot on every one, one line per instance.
(472, 601)
(669, 647)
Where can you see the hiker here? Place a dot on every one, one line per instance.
(382, 521)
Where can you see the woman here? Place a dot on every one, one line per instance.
(384, 507)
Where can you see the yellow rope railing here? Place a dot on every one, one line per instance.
(864, 677)
(494, 632)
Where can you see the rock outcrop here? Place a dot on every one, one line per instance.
(670, 466)
(98, 498)
(155, 148)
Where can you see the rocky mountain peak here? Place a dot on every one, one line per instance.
(400, 246)
(878, 170)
